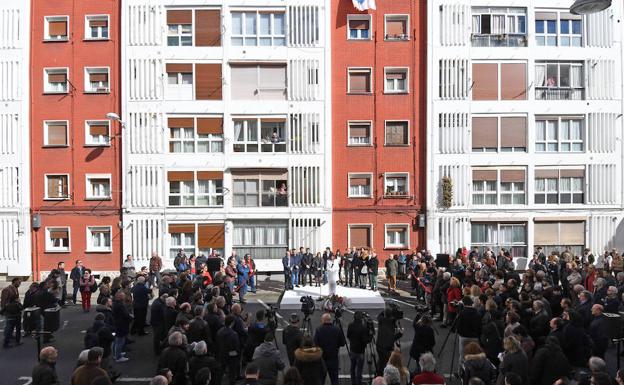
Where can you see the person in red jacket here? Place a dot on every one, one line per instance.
(207, 278)
(453, 293)
(427, 376)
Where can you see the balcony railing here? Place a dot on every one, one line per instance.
(499, 40)
(555, 93)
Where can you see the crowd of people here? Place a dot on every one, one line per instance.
(544, 325)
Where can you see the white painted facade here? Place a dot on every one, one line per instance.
(149, 101)
(451, 108)
(15, 258)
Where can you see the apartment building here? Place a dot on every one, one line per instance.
(524, 127)
(74, 148)
(378, 137)
(227, 142)
(14, 139)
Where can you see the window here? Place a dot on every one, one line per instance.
(397, 27)
(57, 186)
(98, 186)
(497, 236)
(396, 80)
(180, 81)
(568, 32)
(179, 28)
(359, 27)
(499, 81)
(57, 239)
(96, 27)
(559, 134)
(359, 81)
(563, 186)
(55, 133)
(264, 134)
(498, 27)
(180, 78)
(190, 188)
(55, 80)
(360, 185)
(493, 187)
(266, 189)
(56, 28)
(99, 239)
(255, 28)
(397, 133)
(259, 81)
(360, 236)
(396, 184)
(265, 239)
(202, 135)
(397, 236)
(559, 81)
(486, 131)
(182, 237)
(97, 133)
(97, 80)
(359, 133)
(558, 236)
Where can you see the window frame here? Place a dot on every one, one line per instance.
(497, 244)
(180, 33)
(53, 71)
(559, 192)
(369, 18)
(88, 71)
(403, 70)
(558, 87)
(395, 193)
(89, 189)
(366, 175)
(558, 35)
(90, 248)
(370, 231)
(49, 248)
(183, 237)
(47, 123)
(195, 195)
(499, 149)
(258, 36)
(260, 191)
(370, 133)
(87, 31)
(559, 140)
(88, 137)
(46, 192)
(260, 142)
(397, 246)
(397, 16)
(371, 84)
(197, 140)
(498, 191)
(408, 136)
(46, 28)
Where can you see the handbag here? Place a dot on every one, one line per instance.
(364, 270)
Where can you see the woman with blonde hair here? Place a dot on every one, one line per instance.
(514, 360)
(396, 361)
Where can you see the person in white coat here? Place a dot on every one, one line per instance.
(333, 267)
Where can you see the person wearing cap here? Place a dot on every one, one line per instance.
(85, 374)
(292, 337)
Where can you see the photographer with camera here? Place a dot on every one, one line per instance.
(424, 339)
(292, 337)
(359, 333)
(330, 339)
(257, 332)
(388, 333)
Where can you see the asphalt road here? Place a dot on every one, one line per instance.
(16, 363)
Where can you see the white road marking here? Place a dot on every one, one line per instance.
(401, 302)
(27, 379)
(277, 314)
(349, 376)
(64, 324)
(134, 379)
(352, 312)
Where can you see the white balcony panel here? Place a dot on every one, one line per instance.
(305, 232)
(10, 83)
(146, 132)
(147, 235)
(10, 28)
(145, 79)
(454, 24)
(305, 186)
(305, 133)
(601, 132)
(453, 232)
(453, 134)
(9, 187)
(304, 24)
(460, 178)
(601, 79)
(303, 79)
(8, 133)
(599, 27)
(145, 24)
(453, 79)
(146, 186)
(601, 185)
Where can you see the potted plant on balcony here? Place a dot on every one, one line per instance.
(446, 200)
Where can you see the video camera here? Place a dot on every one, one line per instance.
(395, 312)
(270, 315)
(459, 305)
(307, 305)
(370, 324)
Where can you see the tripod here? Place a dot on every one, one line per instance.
(338, 324)
(455, 339)
(306, 328)
(371, 358)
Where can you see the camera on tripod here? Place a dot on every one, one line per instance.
(307, 305)
(270, 315)
(370, 324)
(458, 304)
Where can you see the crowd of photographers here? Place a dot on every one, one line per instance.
(548, 324)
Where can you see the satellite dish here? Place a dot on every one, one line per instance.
(584, 7)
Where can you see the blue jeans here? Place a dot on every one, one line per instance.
(373, 281)
(10, 324)
(357, 365)
(252, 284)
(120, 342)
(76, 287)
(295, 276)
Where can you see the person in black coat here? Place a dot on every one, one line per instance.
(373, 270)
(549, 363)
(491, 332)
(75, 274)
(256, 334)
(359, 335)
(171, 313)
(141, 296)
(174, 358)
(584, 308)
(45, 372)
(309, 362)
(424, 338)
(330, 339)
(229, 354)
(576, 343)
(200, 359)
(292, 337)
(214, 321)
(198, 328)
(157, 320)
(598, 332)
(122, 320)
(539, 324)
